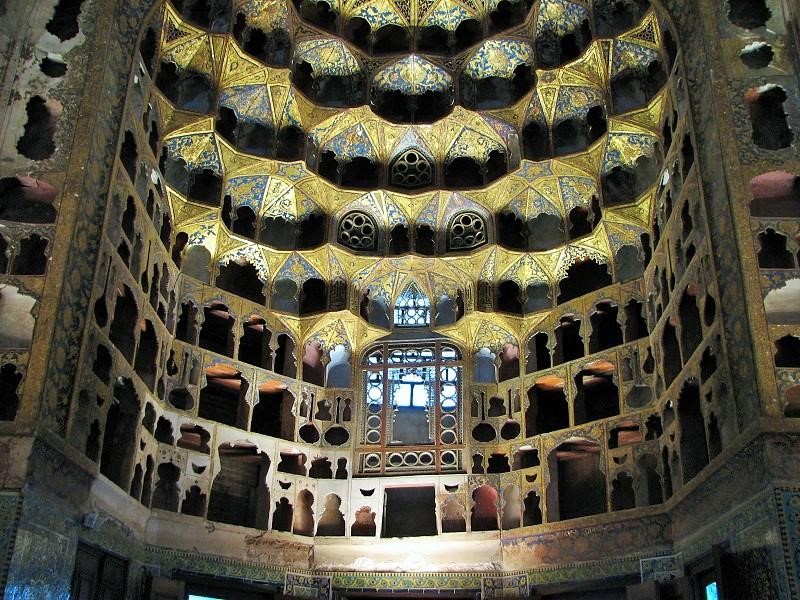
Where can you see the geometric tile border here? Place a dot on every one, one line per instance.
(505, 586)
(300, 585)
(662, 568)
(788, 501)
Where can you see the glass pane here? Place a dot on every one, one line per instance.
(401, 356)
(397, 356)
(711, 591)
(449, 353)
(411, 387)
(374, 389)
(448, 387)
(410, 396)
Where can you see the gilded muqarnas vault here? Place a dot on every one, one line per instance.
(472, 298)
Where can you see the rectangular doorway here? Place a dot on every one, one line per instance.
(409, 511)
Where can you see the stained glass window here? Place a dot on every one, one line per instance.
(412, 308)
(413, 396)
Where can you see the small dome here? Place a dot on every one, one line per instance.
(498, 58)
(448, 15)
(327, 57)
(413, 75)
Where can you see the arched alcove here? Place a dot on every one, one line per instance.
(239, 493)
(272, 415)
(693, 438)
(577, 483)
(547, 406)
(484, 509)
